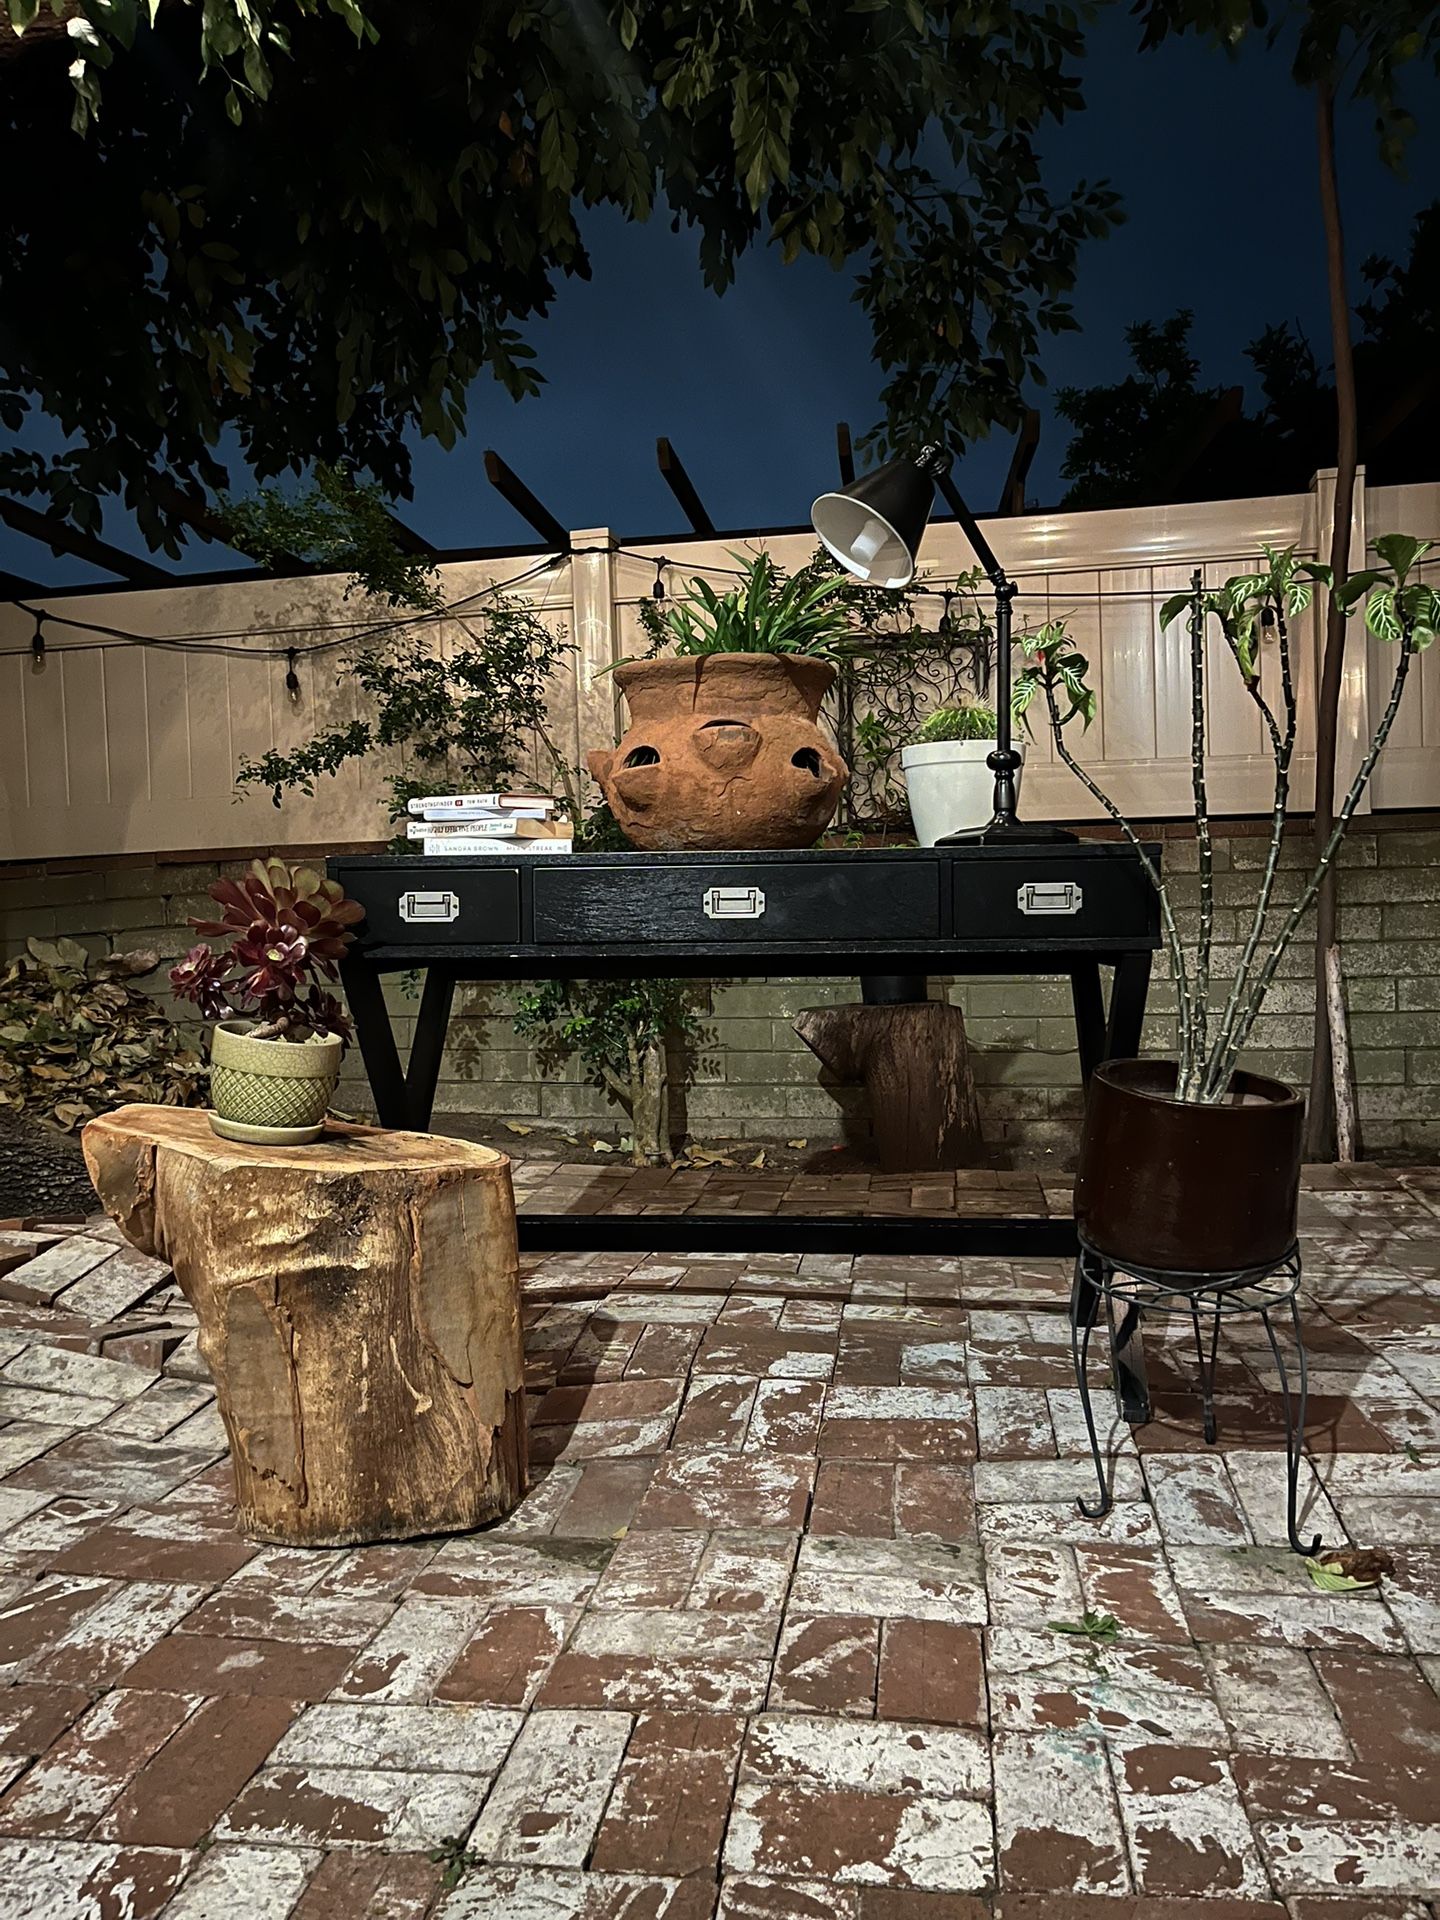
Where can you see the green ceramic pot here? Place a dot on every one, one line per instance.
(270, 1092)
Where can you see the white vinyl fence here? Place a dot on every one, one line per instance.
(113, 746)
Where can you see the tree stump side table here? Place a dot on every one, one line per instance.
(913, 1062)
(359, 1309)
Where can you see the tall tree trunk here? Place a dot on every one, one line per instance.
(1332, 1122)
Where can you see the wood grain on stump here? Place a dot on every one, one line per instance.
(359, 1309)
(913, 1062)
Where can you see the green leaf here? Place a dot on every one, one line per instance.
(1329, 1580)
(1174, 607)
(1357, 586)
(1400, 551)
(1090, 1626)
(1380, 615)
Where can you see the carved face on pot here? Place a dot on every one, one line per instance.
(722, 750)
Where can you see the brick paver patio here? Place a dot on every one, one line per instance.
(774, 1635)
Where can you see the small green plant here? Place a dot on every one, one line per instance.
(459, 696)
(1102, 1628)
(958, 723)
(766, 613)
(78, 1038)
(455, 1860)
(623, 1032)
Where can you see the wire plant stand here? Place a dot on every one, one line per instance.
(1205, 1299)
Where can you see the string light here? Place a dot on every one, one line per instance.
(658, 590)
(37, 645)
(292, 678)
(946, 624)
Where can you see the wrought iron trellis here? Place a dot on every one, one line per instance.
(888, 683)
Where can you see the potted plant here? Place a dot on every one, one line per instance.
(947, 774)
(723, 748)
(280, 1033)
(1193, 1164)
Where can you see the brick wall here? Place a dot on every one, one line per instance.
(753, 1079)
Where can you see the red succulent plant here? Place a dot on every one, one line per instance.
(288, 928)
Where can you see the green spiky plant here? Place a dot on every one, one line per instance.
(970, 722)
(1253, 612)
(768, 612)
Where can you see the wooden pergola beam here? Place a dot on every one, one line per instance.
(1402, 408)
(197, 512)
(672, 469)
(1227, 409)
(1012, 494)
(63, 538)
(406, 538)
(512, 489)
(14, 586)
(844, 452)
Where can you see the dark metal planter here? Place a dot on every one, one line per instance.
(1188, 1189)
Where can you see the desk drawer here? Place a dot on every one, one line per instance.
(445, 902)
(1052, 900)
(752, 902)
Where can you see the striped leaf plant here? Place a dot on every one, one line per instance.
(1253, 612)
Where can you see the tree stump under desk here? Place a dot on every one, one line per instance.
(912, 1059)
(359, 1309)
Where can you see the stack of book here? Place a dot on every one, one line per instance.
(498, 823)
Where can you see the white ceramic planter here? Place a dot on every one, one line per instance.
(951, 788)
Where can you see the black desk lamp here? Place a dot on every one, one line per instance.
(874, 528)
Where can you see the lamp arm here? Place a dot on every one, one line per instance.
(935, 461)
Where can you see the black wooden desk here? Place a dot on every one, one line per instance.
(887, 916)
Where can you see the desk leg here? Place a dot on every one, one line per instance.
(428, 1046)
(1089, 1006)
(365, 993)
(1127, 1006)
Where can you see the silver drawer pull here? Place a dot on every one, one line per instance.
(1049, 896)
(435, 904)
(733, 903)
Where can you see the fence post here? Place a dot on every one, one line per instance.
(597, 635)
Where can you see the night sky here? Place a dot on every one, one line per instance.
(1215, 159)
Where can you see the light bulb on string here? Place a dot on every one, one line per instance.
(947, 625)
(292, 678)
(37, 645)
(657, 592)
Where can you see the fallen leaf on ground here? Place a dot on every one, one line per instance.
(514, 1126)
(797, 1143)
(1349, 1571)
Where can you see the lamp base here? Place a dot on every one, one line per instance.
(1001, 832)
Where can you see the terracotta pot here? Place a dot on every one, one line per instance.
(722, 750)
(1190, 1189)
(271, 1092)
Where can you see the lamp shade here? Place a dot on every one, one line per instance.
(875, 525)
